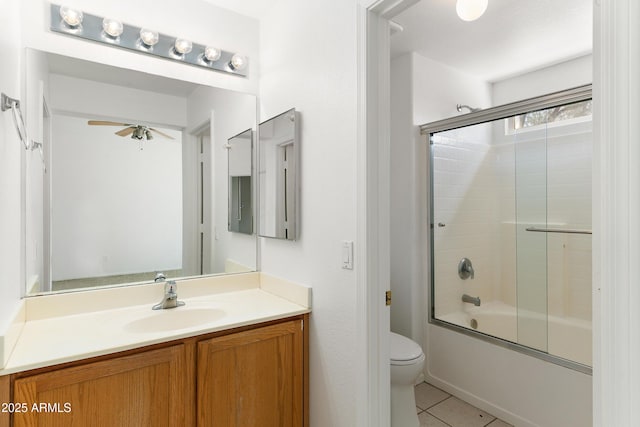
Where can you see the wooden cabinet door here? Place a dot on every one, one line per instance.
(252, 378)
(152, 388)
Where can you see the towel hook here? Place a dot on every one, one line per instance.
(8, 103)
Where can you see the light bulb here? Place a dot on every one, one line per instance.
(72, 17)
(212, 53)
(470, 10)
(112, 27)
(182, 46)
(238, 62)
(149, 37)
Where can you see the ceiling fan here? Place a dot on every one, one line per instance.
(138, 132)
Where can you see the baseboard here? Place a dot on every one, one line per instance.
(478, 402)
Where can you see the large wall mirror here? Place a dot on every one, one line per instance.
(136, 178)
(278, 149)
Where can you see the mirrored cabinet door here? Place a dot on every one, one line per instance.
(240, 148)
(278, 176)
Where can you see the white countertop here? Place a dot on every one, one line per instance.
(67, 327)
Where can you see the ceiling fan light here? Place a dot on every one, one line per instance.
(138, 133)
(470, 10)
(148, 135)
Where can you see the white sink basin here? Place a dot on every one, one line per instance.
(174, 319)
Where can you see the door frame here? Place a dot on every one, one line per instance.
(616, 209)
(373, 209)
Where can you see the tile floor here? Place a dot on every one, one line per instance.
(437, 408)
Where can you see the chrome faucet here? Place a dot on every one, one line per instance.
(473, 300)
(465, 269)
(170, 298)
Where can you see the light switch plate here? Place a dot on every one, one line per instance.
(347, 254)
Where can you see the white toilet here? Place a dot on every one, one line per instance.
(407, 361)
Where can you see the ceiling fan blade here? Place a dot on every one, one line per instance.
(161, 133)
(106, 123)
(126, 131)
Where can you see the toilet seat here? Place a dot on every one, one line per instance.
(403, 351)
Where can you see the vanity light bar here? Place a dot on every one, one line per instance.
(92, 27)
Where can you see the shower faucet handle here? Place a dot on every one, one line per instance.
(465, 269)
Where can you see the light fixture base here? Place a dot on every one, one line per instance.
(91, 29)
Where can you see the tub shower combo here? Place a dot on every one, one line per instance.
(510, 206)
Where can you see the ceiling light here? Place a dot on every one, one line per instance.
(138, 133)
(183, 46)
(112, 27)
(238, 62)
(470, 10)
(72, 17)
(212, 53)
(148, 37)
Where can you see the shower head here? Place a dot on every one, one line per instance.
(460, 107)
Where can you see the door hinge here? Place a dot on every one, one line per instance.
(387, 297)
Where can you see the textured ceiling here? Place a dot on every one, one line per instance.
(512, 37)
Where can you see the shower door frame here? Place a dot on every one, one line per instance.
(569, 96)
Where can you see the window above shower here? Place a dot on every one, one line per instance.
(561, 115)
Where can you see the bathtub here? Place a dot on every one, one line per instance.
(565, 337)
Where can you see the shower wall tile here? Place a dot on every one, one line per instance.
(461, 185)
(475, 185)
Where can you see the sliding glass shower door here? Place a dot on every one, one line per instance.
(530, 210)
(510, 226)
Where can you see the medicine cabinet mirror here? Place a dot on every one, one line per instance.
(240, 149)
(278, 176)
(136, 178)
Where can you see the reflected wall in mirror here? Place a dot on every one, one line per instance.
(136, 177)
(240, 149)
(278, 149)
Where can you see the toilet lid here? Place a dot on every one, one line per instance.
(402, 348)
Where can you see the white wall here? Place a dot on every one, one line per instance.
(308, 61)
(438, 88)
(116, 209)
(565, 75)
(405, 264)
(11, 155)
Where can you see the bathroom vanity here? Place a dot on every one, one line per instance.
(240, 358)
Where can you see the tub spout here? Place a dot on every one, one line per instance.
(472, 300)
